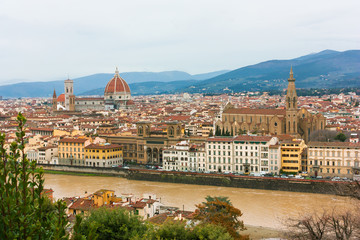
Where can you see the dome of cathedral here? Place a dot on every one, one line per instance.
(61, 98)
(116, 85)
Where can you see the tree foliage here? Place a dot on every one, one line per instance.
(323, 136)
(104, 223)
(26, 213)
(220, 211)
(341, 137)
(109, 224)
(178, 230)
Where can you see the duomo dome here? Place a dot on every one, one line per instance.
(117, 93)
(117, 88)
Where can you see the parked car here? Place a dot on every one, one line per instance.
(319, 177)
(336, 179)
(125, 167)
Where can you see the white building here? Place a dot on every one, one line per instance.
(197, 158)
(240, 154)
(46, 154)
(185, 157)
(275, 159)
(176, 157)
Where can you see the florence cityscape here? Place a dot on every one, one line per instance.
(180, 120)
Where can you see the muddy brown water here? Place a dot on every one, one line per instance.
(259, 207)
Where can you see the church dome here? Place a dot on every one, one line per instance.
(116, 85)
(61, 98)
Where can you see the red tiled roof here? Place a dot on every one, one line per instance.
(139, 204)
(42, 129)
(83, 204)
(334, 144)
(256, 111)
(116, 84)
(99, 146)
(61, 98)
(253, 138)
(73, 140)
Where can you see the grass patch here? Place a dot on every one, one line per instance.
(74, 173)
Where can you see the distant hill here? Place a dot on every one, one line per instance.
(326, 69)
(98, 81)
(148, 88)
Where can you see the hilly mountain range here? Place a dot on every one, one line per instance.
(98, 81)
(326, 69)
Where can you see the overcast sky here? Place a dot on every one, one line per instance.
(43, 40)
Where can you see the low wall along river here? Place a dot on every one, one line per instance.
(266, 183)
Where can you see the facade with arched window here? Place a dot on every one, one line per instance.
(291, 120)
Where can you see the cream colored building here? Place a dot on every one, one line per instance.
(333, 158)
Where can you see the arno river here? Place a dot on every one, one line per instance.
(259, 207)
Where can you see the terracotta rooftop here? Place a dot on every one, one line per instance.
(256, 111)
(72, 140)
(102, 146)
(83, 204)
(253, 138)
(334, 144)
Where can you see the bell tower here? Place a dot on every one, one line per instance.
(54, 101)
(291, 106)
(68, 85)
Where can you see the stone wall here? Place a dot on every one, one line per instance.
(83, 169)
(292, 185)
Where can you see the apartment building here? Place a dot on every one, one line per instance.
(176, 157)
(197, 158)
(46, 154)
(103, 155)
(240, 154)
(291, 155)
(333, 158)
(72, 151)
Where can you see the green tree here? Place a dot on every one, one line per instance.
(179, 230)
(25, 212)
(211, 134)
(341, 137)
(217, 131)
(220, 211)
(103, 223)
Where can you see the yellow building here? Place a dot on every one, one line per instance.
(291, 155)
(105, 197)
(103, 155)
(71, 151)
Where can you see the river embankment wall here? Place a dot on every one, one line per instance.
(223, 180)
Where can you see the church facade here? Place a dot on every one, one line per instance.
(117, 95)
(292, 121)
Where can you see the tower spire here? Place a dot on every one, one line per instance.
(291, 78)
(54, 94)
